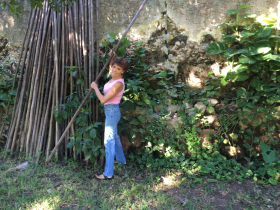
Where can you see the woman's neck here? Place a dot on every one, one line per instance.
(116, 78)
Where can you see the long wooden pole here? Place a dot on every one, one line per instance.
(96, 80)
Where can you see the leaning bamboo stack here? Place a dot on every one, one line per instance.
(53, 40)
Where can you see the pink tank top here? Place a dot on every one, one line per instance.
(107, 88)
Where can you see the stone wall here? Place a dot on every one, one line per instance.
(193, 18)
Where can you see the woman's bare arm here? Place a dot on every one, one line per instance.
(118, 87)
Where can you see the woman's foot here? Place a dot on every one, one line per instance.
(102, 177)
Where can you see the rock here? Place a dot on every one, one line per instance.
(173, 108)
(137, 140)
(212, 101)
(235, 152)
(126, 144)
(264, 139)
(20, 167)
(178, 43)
(200, 106)
(175, 121)
(150, 117)
(158, 107)
(188, 105)
(242, 126)
(140, 111)
(211, 118)
(204, 141)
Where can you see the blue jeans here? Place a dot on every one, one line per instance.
(112, 142)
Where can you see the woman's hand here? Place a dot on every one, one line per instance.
(110, 53)
(94, 86)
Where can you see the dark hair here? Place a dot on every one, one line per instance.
(122, 62)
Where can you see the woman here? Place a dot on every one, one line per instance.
(113, 91)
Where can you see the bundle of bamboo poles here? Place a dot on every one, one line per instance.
(53, 40)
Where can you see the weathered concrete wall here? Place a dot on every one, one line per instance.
(194, 18)
(13, 28)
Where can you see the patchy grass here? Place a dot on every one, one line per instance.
(71, 185)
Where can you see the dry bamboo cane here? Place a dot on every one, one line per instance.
(16, 108)
(48, 67)
(85, 42)
(45, 121)
(46, 96)
(96, 80)
(50, 135)
(24, 48)
(66, 74)
(41, 71)
(13, 131)
(35, 78)
(71, 41)
(44, 91)
(97, 53)
(92, 54)
(56, 75)
(26, 99)
(77, 51)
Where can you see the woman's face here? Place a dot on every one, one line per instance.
(116, 70)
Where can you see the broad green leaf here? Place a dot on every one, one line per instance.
(4, 5)
(137, 44)
(232, 12)
(271, 57)
(181, 113)
(246, 60)
(246, 33)
(270, 158)
(161, 82)
(260, 48)
(104, 44)
(12, 9)
(4, 96)
(121, 52)
(112, 35)
(125, 42)
(223, 82)
(234, 136)
(19, 10)
(272, 181)
(241, 92)
(149, 111)
(134, 122)
(243, 6)
(230, 38)
(216, 48)
(13, 2)
(248, 16)
(210, 109)
(239, 69)
(272, 172)
(92, 133)
(237, 76)
(141, 119)
(14, 92)
(63, 114)
(162, 74)
(231, 52)
(263, 32)
(274, 38)
(264, 147)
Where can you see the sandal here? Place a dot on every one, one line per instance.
(105, 177)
